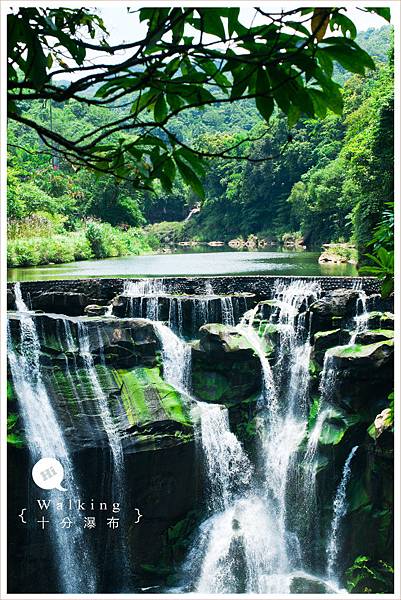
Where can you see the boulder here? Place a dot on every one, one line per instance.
(225, 367)
(219, 340)
(364, 376)
(374, 335)
(309, 585)
(95, 310)
(337, 303)
(380, 320)
(323, 340)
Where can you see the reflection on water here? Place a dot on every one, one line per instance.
(199, 260)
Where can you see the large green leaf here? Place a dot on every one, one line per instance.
(160, 109)
(264, 100)
(189, 176)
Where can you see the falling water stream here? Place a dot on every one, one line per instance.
(76, 568)
(339, 511)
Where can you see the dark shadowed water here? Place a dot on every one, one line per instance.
(191, 261)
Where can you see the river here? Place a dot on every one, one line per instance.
(190, 261)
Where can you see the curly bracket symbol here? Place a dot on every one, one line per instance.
(21, 516)
(139, 515)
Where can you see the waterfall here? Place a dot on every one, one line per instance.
(309, 471)
(45, 438)
(339, 511)
(110, 427)
(292, 368)
(114, 441)
(144, 297)
(281, 432)
(269, 393)
(202, 312)
(228, 468)
(246, 545)
(236, 545)
(176, 356)
(145, 302)
(232, 504)
(227, 311)
(175, 315)
(361, 317)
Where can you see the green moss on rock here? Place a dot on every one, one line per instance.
(358, 351)
(145, 394)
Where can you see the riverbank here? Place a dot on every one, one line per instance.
(94, 240)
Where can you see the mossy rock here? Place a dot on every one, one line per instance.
(147, 397)
(220, 339)
(210, 386)
(375, 354)
(336, 425)
(380, 320)
(374, 335)
(323, 340)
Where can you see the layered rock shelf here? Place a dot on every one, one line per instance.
(94, 348)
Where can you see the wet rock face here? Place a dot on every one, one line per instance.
(363, 372)
(323, 340)
(66, 303)
(225, 368)
(333, 307)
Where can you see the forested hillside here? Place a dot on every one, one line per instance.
(326, 180)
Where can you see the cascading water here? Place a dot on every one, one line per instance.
(105, 415)
(114, 442)
(176, 356)
(245, 545)
(361, 317)
(282, 432)
(45, 438)
(339, 511)
(146, 297)
(231, 502)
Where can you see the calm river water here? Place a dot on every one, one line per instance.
(190, 261)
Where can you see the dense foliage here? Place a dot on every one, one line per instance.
(331, 182)
(188, 57)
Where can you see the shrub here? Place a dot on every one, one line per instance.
(23, 253)
(99, 240)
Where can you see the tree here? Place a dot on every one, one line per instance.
(189, 58)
